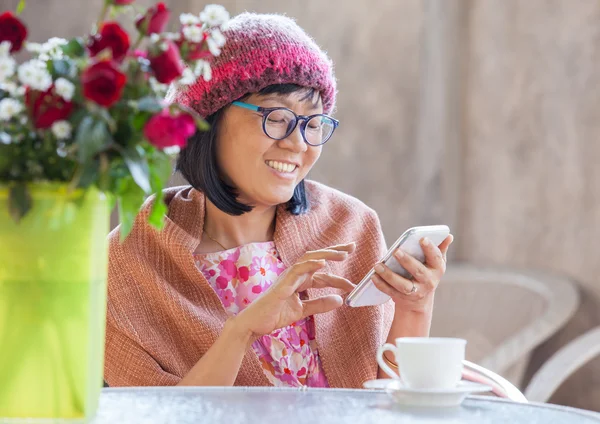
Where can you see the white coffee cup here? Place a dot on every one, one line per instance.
(425, 362)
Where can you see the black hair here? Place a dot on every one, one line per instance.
(197, 162)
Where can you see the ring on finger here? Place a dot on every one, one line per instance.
(413, 289)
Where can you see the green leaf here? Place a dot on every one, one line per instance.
(74, 48)
(104, 114)
(19, 201)
(20, 7)
(91, 138)
(161, 170)
(138, 121)
(90, 174)
(158, 212)
(202, 124)
(61, 68)
(129, 199)
(138, 167)
(78, 115)
(150, 104)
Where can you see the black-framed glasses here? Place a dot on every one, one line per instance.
(280, 122)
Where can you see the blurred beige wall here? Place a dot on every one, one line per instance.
(530, 194)
(482, 113)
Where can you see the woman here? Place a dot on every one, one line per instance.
(244, 285)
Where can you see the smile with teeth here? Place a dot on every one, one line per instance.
(281, 167)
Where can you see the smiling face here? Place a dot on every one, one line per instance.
(266, 171)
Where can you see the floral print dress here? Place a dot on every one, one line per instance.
(289, 355)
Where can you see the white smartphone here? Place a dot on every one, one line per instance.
(366, 294)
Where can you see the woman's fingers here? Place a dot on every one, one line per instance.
(395, 283)
(328, 254)
(346, 247)
(321, 305)
(419, 271)
(323, 280)
(383, 286)
(445, 245)
(434, 259)
(297, 275)
(310, 266)
(332, 253)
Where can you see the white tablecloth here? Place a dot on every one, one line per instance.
(184, 405)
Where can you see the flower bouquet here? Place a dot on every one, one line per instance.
(83, 126)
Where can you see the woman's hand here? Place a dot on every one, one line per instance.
(280, 305)
(416, 294)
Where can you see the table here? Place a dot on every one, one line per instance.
(229, 405)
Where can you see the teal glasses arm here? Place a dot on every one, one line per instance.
(246, 106)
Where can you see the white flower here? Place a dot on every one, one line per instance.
(172, 150)
(61, 130)
(53, 43)
(189, 19)
(12, 89)
(7, 67)
(218, 37)
(35, 74)
(214, 48)
(173, 36)
(5, 48)
(9, 108)
(215, 41)
(187, 77)
(193, 33)
(61, 150)
(214, 15)
(154, 38)
(203, 68)
(64, 88)
(33, 47)
(51, 49)
(5, 138)
(157, 87)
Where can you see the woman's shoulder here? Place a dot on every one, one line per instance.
(180, 201)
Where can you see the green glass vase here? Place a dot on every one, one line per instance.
(53, 267)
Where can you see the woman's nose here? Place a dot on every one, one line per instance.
(294, 141)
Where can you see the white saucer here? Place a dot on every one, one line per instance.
(427, 397)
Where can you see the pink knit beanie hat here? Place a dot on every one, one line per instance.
(261, 50)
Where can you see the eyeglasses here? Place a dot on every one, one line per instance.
(280, 122)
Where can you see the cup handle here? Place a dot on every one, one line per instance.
(382, 364)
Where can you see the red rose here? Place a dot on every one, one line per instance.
(154, 21)
(194, 51)
(123, 2)
(111, 36)
(13, 30)
(168, 64)
(164, 130)
(103, 83)
(197, 52)
(139, 54)
(46, 107)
